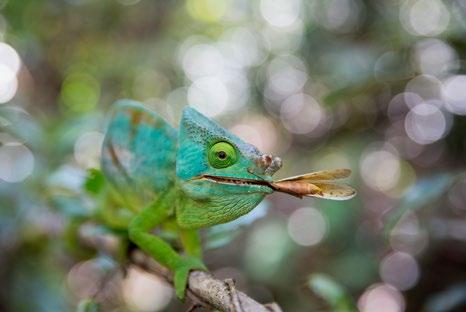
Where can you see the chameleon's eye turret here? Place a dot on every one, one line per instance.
(222, 154)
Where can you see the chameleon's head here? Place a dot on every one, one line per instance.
(223, 177)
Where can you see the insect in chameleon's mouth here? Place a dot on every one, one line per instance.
(233, 181)
(315, 184)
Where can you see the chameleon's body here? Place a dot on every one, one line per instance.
(198, 176)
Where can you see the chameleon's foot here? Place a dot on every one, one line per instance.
(234, 295)
(182, 269)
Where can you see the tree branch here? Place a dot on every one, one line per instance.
(205, 290)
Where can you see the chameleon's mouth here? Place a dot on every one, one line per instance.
(233, 181)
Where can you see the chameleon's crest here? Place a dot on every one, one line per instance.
(238, 183)
(138, 154)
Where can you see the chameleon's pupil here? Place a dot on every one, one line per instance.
(222, 155)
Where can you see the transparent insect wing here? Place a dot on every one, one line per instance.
(334, 191)
(325, 175)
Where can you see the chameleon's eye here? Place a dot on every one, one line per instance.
(222, 155)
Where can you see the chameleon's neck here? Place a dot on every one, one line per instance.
(193, 213)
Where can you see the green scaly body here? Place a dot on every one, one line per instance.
(198, 176)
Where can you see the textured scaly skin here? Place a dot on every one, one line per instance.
(155, 169)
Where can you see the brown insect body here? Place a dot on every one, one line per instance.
(297, 188)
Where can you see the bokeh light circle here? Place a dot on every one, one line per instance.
(307, 226)
(88, 148)
(425, 124)
(454, 93)
(280, 13)
(286, 75)
(202, 60)
(424, 17)
(301, 113)
(253, 130)
(208, 95)
(80, 92)
(10, 64)
(435, 57)
(265, 248)
(9, 57)
(381, 298)
(207, 10)
(146, 292)
(426, 86)
(242, 47)
(340, 16)
(408, 236)
(380, 170)
(399, 269)
(16, 162)
(8, 84)
(284, 39)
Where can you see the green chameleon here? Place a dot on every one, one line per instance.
(198, 176)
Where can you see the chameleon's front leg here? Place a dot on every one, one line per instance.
(191, 241)
(139, 233)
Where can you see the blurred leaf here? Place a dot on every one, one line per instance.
(332, 292)
(424, 192)
(447, 300)
(94, 182)
(354, 266)
(88, 305)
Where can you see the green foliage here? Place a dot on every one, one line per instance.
(88, 305)
(95, 181)
(333, 293)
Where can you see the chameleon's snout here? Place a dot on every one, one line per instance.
(268, 164)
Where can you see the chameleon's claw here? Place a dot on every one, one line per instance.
(186, 265)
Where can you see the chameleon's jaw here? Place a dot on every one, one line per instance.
(233, 180)
(208, 185)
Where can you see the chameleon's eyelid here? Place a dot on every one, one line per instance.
(219, 140)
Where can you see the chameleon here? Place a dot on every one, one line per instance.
(193, 177)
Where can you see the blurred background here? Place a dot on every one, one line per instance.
(375, 86)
